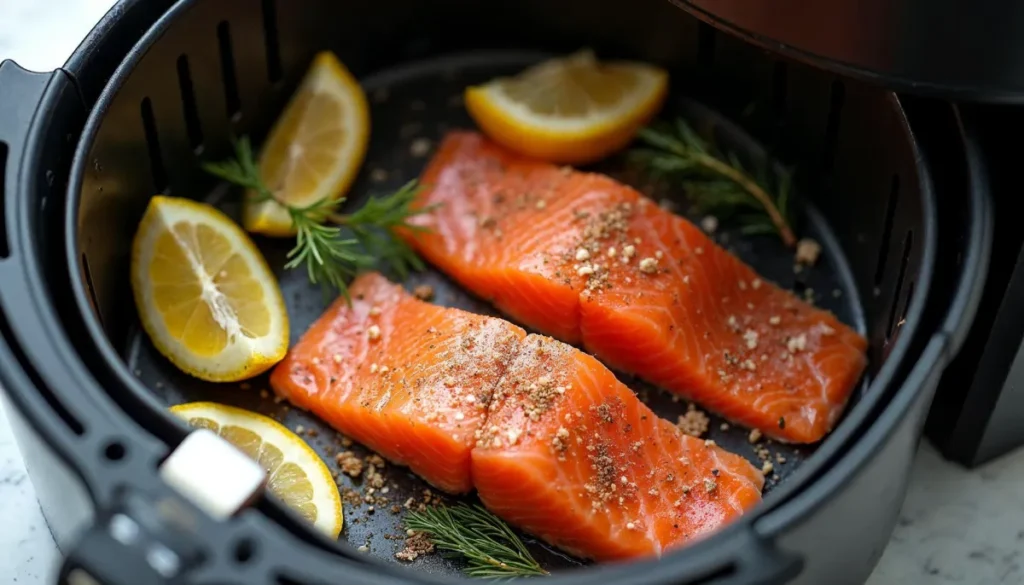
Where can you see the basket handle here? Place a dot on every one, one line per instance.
(20, 93)
(131, 544)
(40, 111)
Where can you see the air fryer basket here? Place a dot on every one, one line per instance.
(211, 69)
(152, 129)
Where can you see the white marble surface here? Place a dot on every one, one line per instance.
(955, 527)
(28, 556)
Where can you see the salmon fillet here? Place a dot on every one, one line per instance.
(592, 262)
(548, 437)
(570, 454)
(400, 376)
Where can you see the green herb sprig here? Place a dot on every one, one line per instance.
(329, 258)
(488, 545)
(717, 183)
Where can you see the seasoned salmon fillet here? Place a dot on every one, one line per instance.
(406, 378)
(592, 262)
(546, 434)
(570, 454)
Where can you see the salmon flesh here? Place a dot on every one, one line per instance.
(548, 437)
(590, 261)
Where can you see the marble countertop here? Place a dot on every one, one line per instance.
(956, 526)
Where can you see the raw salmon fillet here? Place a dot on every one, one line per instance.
(592, 262)
(570, 454)
(548, 437)
(408, 379)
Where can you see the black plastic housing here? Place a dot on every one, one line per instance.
(979, 406)
(64, 307)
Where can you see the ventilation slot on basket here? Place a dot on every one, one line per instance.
(193, 127)
(37, 383)
(227, 72)
(780, 85)
(156, 161)
(271, 40)
(5, 250)
(906, 305)
(908, 246)
(890, 213)
(92, 288)
(838, 96)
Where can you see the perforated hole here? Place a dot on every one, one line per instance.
(156, 161)
(908, 247)
(272, 43)
(906, 304)
(835, 110)
(5, 250)
(193, 127)
(115, 451)
(227, 71)
(245, 550)
(90, 287)
(890, 213)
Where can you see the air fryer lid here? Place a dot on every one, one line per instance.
(935, 47)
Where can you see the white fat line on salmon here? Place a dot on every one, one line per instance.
(384, 399)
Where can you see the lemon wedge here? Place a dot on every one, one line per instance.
(569, 110)
(315, 148)
(295, 473)
(204, 293)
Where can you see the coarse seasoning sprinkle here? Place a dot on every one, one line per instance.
(807, 252)
(648, 266)
(796, 343)
(423, 292)
(350, 464)
(417, 544)
(694, 422)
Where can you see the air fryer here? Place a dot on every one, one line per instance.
(893, 187)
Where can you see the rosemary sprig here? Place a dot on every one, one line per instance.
(718, 183)
(329, 258)
(489, 546)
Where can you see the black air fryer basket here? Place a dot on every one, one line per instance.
(892, 187)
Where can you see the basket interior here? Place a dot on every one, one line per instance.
(222, 68)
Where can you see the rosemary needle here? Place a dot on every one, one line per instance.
(717, 183)
(329, 258)
(488, 545)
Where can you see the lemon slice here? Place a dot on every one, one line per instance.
(315, 148)
(569, 110)
(204, 293)
(295, 473)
